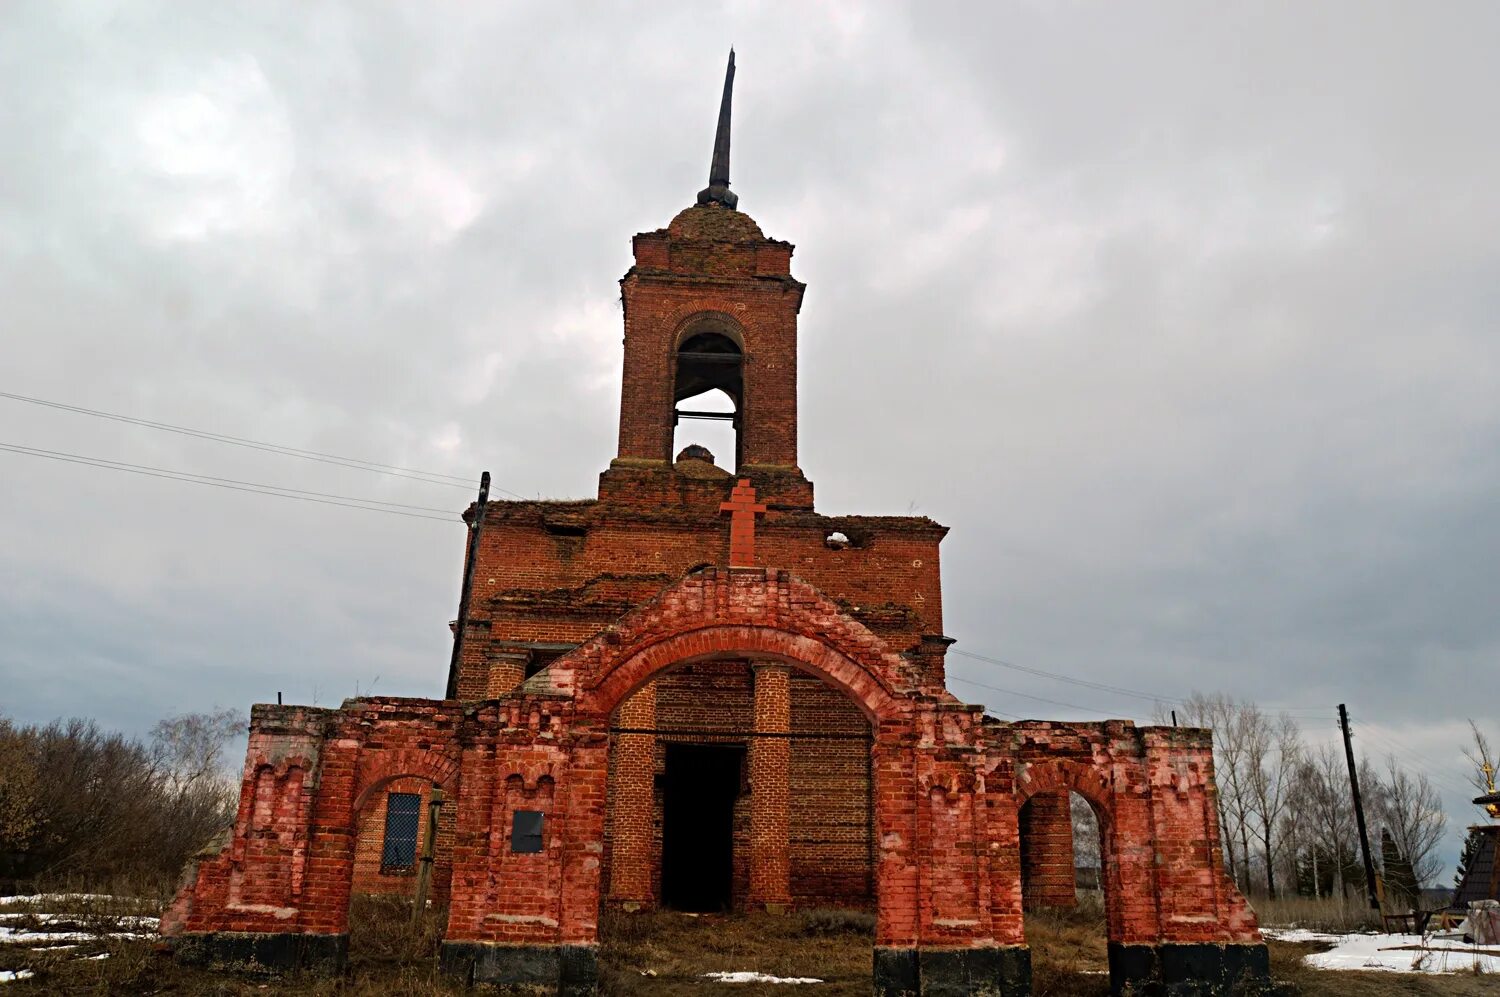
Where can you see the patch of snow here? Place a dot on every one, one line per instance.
(749, 977)
(1390, 953)
(15, 936)
(1300, 935)
(122, 920)
(8, 975)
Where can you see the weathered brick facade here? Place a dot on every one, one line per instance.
(699, 656)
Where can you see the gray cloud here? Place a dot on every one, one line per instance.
(1181, 318)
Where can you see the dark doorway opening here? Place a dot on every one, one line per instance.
(697, 836)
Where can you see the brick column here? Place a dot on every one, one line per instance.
(1047, 851)
(770, 822)
(630, 884)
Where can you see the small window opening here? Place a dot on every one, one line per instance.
(541, 657)
(526, 831)
(403, 812)
(846, 538)
(558, 529)
(708, 393)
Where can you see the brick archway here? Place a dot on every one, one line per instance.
(797, 650)
(1064, 774)
(761, 613)
(438, 768)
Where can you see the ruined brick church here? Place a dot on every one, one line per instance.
(696, 691)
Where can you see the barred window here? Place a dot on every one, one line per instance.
(402, 816)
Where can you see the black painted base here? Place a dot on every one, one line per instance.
(573, 969)
(998, 971)
(1190, 970)
(256, 952)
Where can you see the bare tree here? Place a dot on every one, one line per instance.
(1086, 852)
(1412, 814)
(1273, 752)
(80, 803)
(189, 747)
(1482, 758)
(1322, 812)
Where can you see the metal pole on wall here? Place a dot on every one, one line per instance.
(1359, 811)
(429, 849)
(451, 692)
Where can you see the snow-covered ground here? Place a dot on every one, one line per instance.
(749, 977)
(1393, 953)
(36, 924)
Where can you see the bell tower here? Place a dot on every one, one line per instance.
(711, 303)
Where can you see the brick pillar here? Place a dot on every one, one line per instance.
(770, 821)
(504, 672)
(1047, 851)
(630, 883)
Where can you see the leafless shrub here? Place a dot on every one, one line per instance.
(83, 806)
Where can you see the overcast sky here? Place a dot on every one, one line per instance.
(1181, 316)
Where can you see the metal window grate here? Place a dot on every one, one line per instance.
(403, 813)
(526, 831)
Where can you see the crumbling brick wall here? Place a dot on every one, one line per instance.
(947, 786)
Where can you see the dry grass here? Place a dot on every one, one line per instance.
(1334, 914)
(666, 953)
(385, 957)
(654, 955)
(1069, 957)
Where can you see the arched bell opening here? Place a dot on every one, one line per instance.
(708, 396)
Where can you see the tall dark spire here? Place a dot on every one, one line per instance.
(717, 191)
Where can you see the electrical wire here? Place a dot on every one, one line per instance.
(354, 463)
(1106, 687)
(1435, 772)
(253, 487)
(1024, 695)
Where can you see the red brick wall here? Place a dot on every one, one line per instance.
(532, 585)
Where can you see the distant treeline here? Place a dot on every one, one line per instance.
(84, 806)
(1287, 814)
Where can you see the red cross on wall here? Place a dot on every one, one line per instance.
(742, 509)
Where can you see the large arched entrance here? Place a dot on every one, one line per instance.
(739, 784)
(781, 688)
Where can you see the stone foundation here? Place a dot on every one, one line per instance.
(573, 969)
(263, 952)
(1190, 970)
(988, 971)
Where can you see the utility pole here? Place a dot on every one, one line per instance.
(1359, 810)
(463, 598)
(429, 846)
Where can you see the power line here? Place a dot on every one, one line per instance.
(354, 463)
(1101, 686)
(1024, 695)
(1104, 686)
(253, 487)
(1436, 773)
